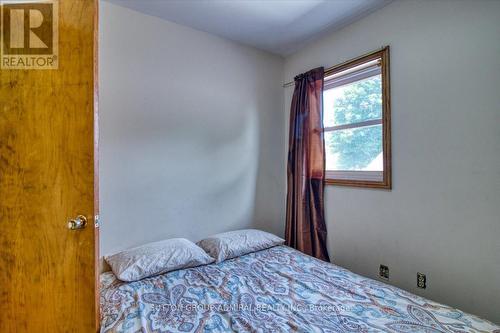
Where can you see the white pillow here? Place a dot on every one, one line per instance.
(236, 243)
(157, 258)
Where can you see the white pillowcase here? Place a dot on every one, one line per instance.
(236, 243)
(157, 258)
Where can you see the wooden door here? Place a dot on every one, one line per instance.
(47, 176)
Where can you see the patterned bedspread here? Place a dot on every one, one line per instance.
(274, 290)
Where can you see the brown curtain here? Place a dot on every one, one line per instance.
(305, 222)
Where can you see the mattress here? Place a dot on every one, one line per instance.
(274, 290)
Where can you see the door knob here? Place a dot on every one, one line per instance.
(77, 223)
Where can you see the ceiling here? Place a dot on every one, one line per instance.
(278, 26)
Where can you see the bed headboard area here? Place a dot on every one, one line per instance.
(183, 164)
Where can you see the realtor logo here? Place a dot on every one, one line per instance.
(29, 34)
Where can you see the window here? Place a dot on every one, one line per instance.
(356, 122)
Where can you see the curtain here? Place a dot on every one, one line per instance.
(305, 223)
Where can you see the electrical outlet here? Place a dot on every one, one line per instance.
(421, 280)
(384, 272)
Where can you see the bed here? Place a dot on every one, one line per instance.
(273, 290)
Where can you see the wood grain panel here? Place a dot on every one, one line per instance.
(47, 272)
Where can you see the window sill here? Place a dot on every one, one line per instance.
(368, 179)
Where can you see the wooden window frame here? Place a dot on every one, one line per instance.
(366, 177)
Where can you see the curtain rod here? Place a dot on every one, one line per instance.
(329, 69)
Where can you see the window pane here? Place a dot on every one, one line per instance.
(354, 102)
(355, 149)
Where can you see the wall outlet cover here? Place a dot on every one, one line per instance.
(421, 280)
(384, 272)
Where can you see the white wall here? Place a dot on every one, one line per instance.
(442, 217)
(191, 132)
